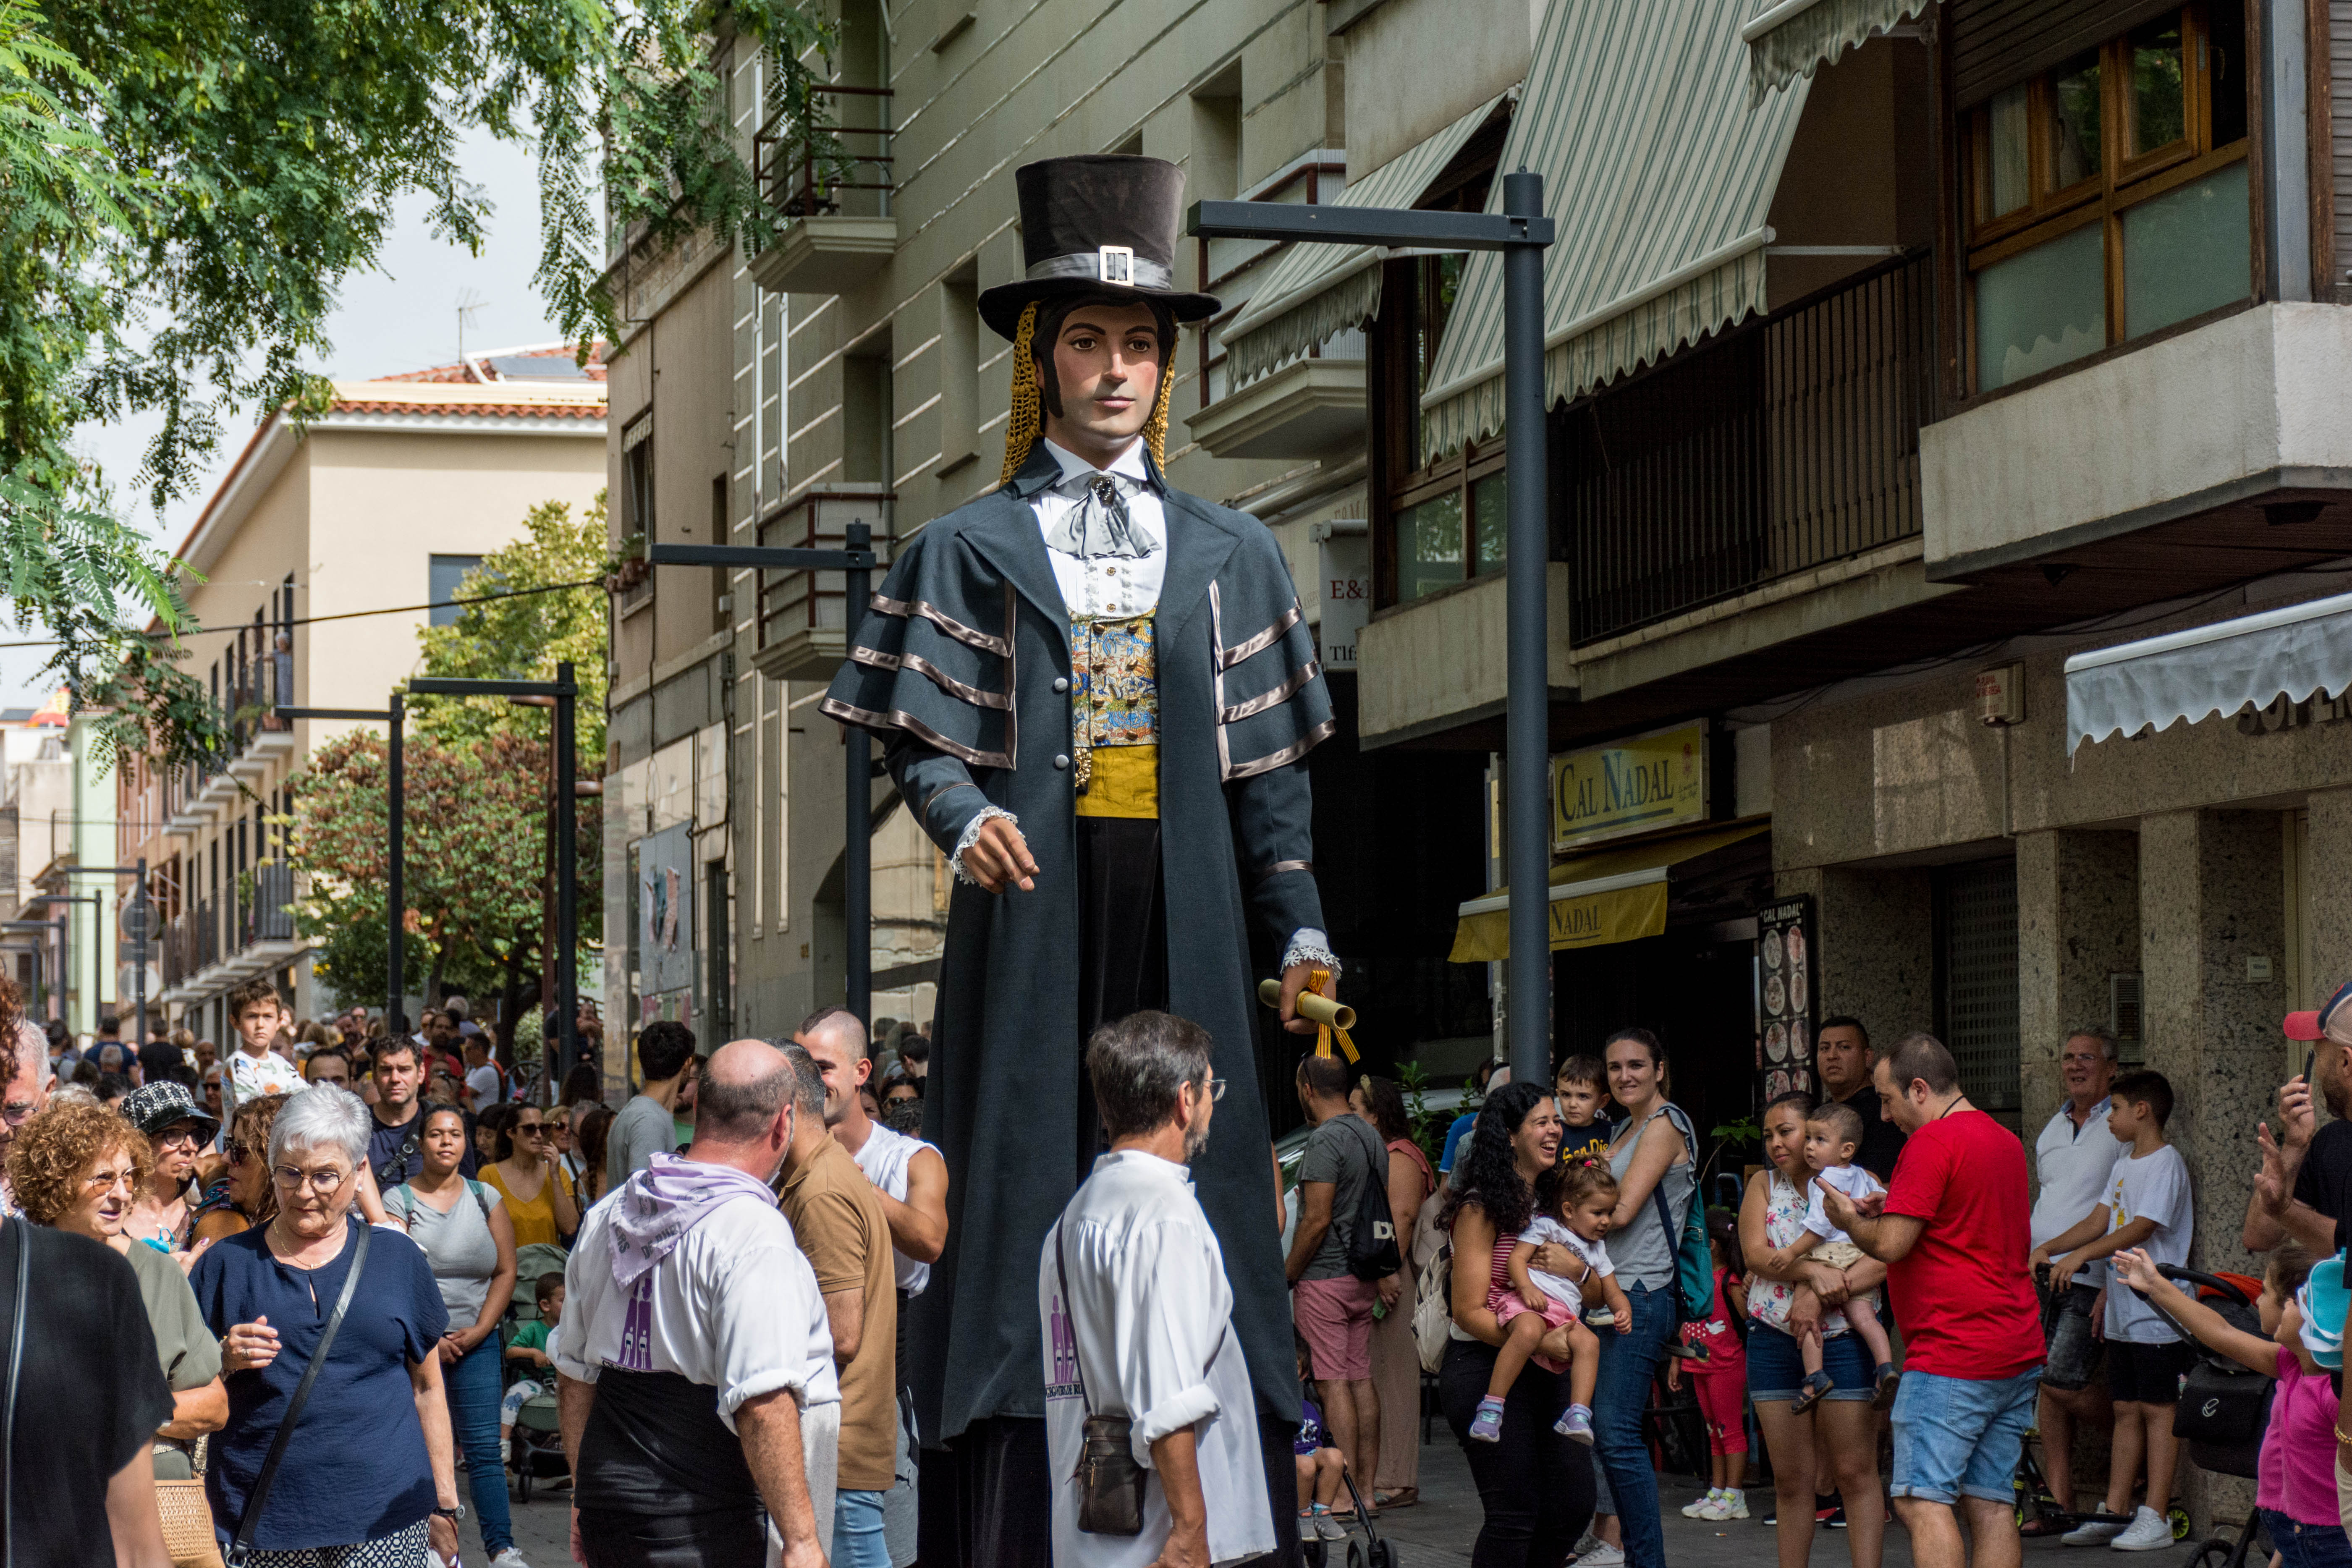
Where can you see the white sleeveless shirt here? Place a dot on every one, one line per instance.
(884, 1158)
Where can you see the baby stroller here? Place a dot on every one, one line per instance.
(538, 1447)
(1375, 1551)
(2224, 1407)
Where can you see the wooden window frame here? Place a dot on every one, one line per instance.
(2124, 181)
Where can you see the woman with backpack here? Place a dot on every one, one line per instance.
(1652, 1152)
(463, 1227)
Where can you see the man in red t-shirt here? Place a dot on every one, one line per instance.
(1953, 1229)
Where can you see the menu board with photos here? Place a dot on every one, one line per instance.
(1785, 1002)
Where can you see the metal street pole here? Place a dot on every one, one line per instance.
(567, 879)
(1520, 232)
(1526, 730)
(65, 951)
(395, 908)
(855, 562)
(40, 968)
(858, 792)
(140, 902)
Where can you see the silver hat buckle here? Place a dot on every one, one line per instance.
(1115, 264)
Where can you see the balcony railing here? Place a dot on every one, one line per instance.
(823, 163)
(268, 916)
(179, 950)
(208, 939)
(1772, 449)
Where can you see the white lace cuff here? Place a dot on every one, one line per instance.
(1308, 945)
(972, 836)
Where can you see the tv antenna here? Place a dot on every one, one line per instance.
(469, 305)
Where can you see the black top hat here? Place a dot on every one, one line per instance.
(1103, 224)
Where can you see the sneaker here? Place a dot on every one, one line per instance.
(1888, 1384)
(1833, 1520)
(1603, 1555)
(511, 1558)
(2097, 1533)
(2148, 1531)
(506, 1451)
(1575, 1425)
(1586, 1545)
(1307, 1530)
(1487, 1426)
(1327, 1528)
(1734, 1505)
(1696, 1507)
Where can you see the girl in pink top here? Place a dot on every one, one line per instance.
(2296, 1483)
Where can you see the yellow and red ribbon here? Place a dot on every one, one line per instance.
(1315, 982)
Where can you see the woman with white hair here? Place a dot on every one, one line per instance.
(365, 1479)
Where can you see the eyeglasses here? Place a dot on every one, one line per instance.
(17, 1112)
(321, 1181)
(532, 1129)
(1217, 1089)
(182, 1133)
(238, 1152)
(104, 1181)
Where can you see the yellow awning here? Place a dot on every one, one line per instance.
(1617, 895)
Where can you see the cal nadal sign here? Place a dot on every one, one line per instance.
(1633, 786)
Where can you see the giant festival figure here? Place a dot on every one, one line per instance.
(1096, 694)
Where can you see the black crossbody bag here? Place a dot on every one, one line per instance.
(241, 1549)
(1110, 1483)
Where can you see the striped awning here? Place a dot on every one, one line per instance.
(1660, 174)
(1792, 38)
(1316, 290)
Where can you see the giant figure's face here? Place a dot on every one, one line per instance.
(1106, 359)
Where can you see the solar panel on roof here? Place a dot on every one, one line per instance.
(536, 367)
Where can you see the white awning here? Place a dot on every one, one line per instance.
(1316, 290)
(1659, 174)
(2253, 660)
(1792, 38)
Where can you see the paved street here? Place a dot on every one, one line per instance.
(1440, 1533)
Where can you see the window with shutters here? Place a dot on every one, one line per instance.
(2105, 195)
(1976, 981)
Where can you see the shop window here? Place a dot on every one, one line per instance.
(2107, 197)
(1976, 981)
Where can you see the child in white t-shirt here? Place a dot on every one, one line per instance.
(1540, 1314)
(1833, 1136)
(254, 1069)
(2148, 1204)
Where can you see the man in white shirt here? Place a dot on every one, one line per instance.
(2073, 1160)
(912, 1181)
(695, 1371)
(1144, 1330)
(482, 1078)
(255, 1068)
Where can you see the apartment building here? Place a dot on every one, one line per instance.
(319, 551)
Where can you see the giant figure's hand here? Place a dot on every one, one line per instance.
(1294, 981)
(999, 856)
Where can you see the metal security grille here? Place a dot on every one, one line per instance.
(1976, 971)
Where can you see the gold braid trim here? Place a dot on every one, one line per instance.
(1020, 426)
(1155, 429)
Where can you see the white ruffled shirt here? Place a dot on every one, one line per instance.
(1153, 1337)
(1106, 586)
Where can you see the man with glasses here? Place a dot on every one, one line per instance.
(168, 1116)
(2072, 1160)
(30, 1078)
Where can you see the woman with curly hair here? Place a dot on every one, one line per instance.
(1535, 1485)
(80, 1168)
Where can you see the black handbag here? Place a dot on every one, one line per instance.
(1110, 1483)
(2224, 1407)
(241, 1549)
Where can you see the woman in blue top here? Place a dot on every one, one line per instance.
(367, 1475)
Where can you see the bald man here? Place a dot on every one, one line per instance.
(694, 1375)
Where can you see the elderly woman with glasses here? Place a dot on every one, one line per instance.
(80, 1168)
(366, 1476)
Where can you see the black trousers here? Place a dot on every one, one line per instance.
(1535, 1486)
(1122, 945)
(987, 1499)
(683, 1541)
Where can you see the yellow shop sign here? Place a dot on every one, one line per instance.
(1635, 786)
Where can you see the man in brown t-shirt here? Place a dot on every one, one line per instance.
(838, 1215)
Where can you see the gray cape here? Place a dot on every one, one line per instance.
(964, 672)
